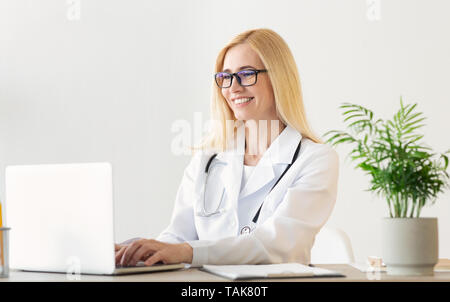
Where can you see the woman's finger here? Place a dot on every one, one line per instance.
(156, 257)
(129, 252)
(117, 247)
(119, 254)
(145, 251)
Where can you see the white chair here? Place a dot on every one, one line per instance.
(332, 246)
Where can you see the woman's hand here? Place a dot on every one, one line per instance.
(151, 251)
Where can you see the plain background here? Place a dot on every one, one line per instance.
(102, 80)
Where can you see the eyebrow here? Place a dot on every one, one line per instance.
(241, 68)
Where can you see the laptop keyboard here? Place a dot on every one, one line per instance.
(140, 263)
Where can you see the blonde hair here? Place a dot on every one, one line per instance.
(283, 74)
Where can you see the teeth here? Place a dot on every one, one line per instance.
(243, 100)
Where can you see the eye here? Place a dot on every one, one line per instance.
(223, 76)
(246, 73)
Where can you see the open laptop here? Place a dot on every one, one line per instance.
(61, 219)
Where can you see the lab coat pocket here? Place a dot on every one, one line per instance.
(211, 204)
(214, 222)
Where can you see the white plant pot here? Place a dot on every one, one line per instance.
(409, 245)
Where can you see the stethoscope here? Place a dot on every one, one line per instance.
(245, 229)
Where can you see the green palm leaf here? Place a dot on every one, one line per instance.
(391, 152)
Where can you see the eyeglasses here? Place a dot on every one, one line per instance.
(245, 78)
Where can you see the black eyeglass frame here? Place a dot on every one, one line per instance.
(238, 78)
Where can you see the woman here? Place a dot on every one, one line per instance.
(272, 185)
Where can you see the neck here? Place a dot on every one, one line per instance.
(259, 135)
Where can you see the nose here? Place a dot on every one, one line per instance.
(235, 86)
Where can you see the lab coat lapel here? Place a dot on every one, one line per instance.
(280, 152)
(262, 174)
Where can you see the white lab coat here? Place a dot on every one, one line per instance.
(292, 213)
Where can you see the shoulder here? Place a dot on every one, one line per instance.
(317, 165)
(317, 154)
(313, 149)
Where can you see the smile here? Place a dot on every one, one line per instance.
(242, 100)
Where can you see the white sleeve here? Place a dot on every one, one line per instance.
(182, 226)
(288, 234)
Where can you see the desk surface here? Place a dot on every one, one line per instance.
(194, 275)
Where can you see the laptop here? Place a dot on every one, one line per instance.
(61, 219)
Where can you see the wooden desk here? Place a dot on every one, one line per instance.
(194, 275)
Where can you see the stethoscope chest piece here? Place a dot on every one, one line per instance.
(245, 230)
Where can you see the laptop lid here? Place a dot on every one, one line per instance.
(61, 217)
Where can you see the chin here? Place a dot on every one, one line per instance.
(243, 117)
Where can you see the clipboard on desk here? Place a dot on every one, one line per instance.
(268, 271)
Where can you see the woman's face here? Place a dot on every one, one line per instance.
(262, 103)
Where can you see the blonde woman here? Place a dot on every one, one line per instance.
(262, 185)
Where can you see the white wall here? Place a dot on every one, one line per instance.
(106, 87)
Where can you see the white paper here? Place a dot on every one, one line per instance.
(283, 270)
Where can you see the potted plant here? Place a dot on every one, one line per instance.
(406, 174)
